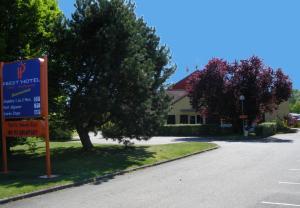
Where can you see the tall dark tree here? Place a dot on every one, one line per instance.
(112, 69)
(219, 86)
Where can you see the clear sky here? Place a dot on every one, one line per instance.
(197, 30)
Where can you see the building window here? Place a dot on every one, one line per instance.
(171, 119)
(199, 119)
(184, 119)
(192, 119)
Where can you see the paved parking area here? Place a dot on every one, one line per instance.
(287, 190)
(243, 174)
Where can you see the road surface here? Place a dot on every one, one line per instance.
(98, 139)
(256, 174)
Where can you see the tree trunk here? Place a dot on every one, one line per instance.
(237, 125)
(84, 138)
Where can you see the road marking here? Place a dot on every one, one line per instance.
(291, 183)
(283, 204)
(294, 169)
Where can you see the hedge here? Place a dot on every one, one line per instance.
(193, 130)
(59, 131)
(266, 129)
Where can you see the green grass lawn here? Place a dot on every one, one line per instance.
(72, 164)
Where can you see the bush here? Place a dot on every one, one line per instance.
(59, 131)
(179, 130)
(193, 130)
(60, 134)
(282, 126)
(266, 129)
(110, 130)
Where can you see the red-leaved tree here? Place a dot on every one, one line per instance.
(219, 85)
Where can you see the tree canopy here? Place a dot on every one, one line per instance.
(219, 85)
(26, 30)
(294, 102)
(26, 27)
(112, 70)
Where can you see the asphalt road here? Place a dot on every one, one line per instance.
(98, 139)
(260, 174)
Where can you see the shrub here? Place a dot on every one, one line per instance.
(282, 126)
(179, 130)
(110, 130)
(193, 130)
(59, 130)
(296, 125)
(31, 143)
(60, 134)
(266, 129)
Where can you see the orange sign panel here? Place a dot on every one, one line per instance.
(243, 116)
(25, 128)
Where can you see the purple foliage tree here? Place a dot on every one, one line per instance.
(219, 85)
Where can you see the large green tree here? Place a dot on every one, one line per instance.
(26, 27)
(294, 102)
(112, 69)
(26, 31)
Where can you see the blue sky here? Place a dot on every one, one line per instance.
(197, 30)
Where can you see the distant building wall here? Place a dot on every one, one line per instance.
(184, 113)
(280, 113)
(181, 110)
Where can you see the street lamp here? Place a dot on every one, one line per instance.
(242, 99)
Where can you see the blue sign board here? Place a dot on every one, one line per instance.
(21, 89)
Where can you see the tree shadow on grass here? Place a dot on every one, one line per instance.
(72, 164)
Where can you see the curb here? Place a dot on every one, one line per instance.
(96, 179)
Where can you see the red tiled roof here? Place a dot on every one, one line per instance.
(182, 84)
(176, 94)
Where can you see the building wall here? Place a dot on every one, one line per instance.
(183, 107)
(280, 113)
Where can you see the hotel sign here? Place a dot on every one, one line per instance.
(24, 103)
(22, 89)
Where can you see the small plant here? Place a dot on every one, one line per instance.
(281, 125)
(128, 144)
(32, 144)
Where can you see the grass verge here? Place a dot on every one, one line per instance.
(74, 165)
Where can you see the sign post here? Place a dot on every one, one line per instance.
(46, 118)
(4, 153)
(24, 103)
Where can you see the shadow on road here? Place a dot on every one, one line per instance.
(237, 138)
(243, 139)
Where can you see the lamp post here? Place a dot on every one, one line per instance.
(242, 99)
